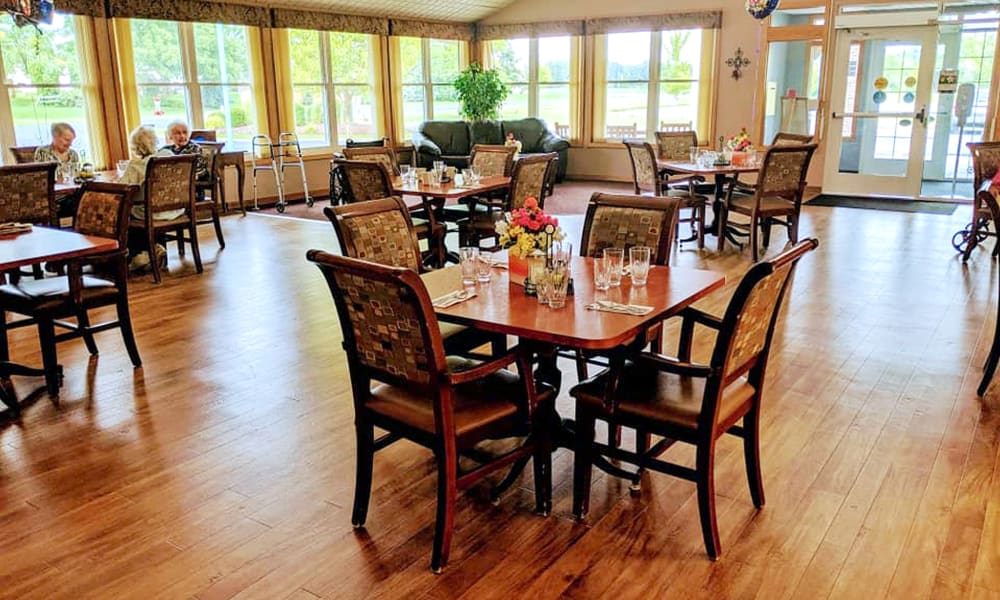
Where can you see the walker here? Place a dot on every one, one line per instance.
(290, 155)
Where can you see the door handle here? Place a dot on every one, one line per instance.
(921, 116)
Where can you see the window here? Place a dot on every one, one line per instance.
(793, 83)
(654, 78)
(538, 72)
(427, 68)
(43, 82)
(195, 72)
(333, 86)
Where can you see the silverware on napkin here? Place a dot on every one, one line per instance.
(453, 298)
(618, 307)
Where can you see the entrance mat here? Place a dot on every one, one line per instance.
(899, 205)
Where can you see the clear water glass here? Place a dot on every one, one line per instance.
(602, 273)
(638, 260)
(557, 282)
(693, 154)
(468, 260)
(484, 267)
(120, 167)
(404, 173)
(616, 262)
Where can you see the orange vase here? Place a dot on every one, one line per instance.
(519, 267)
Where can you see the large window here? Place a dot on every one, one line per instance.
(539, 73)
(196, 72)
(42, 82)
(333, 85)
(653, 80)
(427, 70)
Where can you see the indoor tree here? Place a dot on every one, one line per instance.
(480, 93)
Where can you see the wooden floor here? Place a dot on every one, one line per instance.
(224, 467)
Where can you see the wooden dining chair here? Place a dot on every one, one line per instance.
(619, 132)
(207, 209)
(403, 384)
(23, 154)
(989, 369)
(27, 195)
(985, 163)
(777, 197)
(169, 186)
(382, 231)
(204, 135)
(783, 138)
(103, 211)
(648, 179)
(383, 155)
(488, 160)
(682, 401)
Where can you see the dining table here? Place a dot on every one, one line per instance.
(720, 174)
(502, 307)
(41, 244)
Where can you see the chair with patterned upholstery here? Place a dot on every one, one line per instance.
(23, 154)
(647, 179)
(676, 146)
(382, 155)
(688, 402)
(528, 180)
(382, 231)
(783, 138)
(169, 188)
(103, 211)
(777, 197)
(208, 209)
(404, 384)
(27, 194)
(985, 162)
(488, 161)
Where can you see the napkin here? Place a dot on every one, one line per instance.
(453, 298)
(14, 228)
(622, 309)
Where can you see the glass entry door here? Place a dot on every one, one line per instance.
(877, 132)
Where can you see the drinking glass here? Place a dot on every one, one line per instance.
(693, 154)
(468, 259)
(638, 260)
(121, 166)
(484, 267)
(602, 272)
(616, 260)
(438, 171)
(557, 282)
(562, 252)
(404, 173)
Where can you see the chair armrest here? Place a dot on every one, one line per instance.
(699, 316)
(484, 369)
(690, 316)
(422, 143)
(551, 142)
(678, 367)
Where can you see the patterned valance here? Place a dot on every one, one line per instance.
(192, 10)
(431, 29)
(301, 19)
(529, 30)
(90, 8)
(704, 20)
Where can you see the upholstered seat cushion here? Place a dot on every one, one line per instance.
(483, 403)
(664, 398)
(767, 204)
(51, 293)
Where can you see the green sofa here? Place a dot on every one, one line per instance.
(452, 141)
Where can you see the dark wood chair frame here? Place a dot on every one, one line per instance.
(50, 217)
(665, 180)
(172, 230)
(23, 154)
(966, 240)
(763, 218)
(210, 206)
(718, 374)
(994, 356)
(446, 445)
(48, 316)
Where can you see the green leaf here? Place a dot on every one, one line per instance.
(481, 92)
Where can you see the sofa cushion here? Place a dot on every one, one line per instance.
(451, 136)
(486, 132)
(529, 131)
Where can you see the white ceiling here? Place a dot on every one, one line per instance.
(466, 11)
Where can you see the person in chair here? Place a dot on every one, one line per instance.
(179, 135)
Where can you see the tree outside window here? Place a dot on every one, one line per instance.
(538, 72)
(428, 69)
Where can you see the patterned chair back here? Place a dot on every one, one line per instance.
(529, 178)
(365, 180)
(170, 184)
(492, 160)
(382, 155)
(790, 139)
(623, 221)
(378, 231)
(27, 193)
(744, 339)
(675, 145)
(210, 150)
(985, 161)
(104, 210)
(23, 154)
(783, 171)
(643, 166)
(390, 330)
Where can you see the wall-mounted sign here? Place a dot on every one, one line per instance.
(880, 83)
(910, 81)
(963, 102)
(947, 81)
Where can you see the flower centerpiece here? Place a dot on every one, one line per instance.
(741, 147)
(527, 233)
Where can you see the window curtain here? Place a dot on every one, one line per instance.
(191, 10)
(396, 86)
(126, 73)
(258, 84)
(90, 78)
(529, 30)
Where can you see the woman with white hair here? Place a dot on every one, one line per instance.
(180, 143)
(142, 143)
(59, 151)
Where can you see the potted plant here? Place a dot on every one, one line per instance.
(480, 92)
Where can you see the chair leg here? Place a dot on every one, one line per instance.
(765, 230)
(720, 227)
(754, 253)
(83, 322)
(583, 459)
(50, 362)
(700, 212)
(793, 228)
(581, 366)
(447, 491)
(195, 249)
(991, 362)
(643, 440)
(614, 435)
(218, 228)
(4, 344)
(541, 461)
(128, 335)
(751, 454)
(705, 462)
(155, 264)
(363, 476)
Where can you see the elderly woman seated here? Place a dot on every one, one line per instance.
(59, 151)
(142, 143)
(179, 135)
